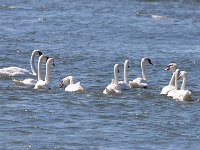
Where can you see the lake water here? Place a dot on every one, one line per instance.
(86, 38)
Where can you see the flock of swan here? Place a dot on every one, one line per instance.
(114, 87)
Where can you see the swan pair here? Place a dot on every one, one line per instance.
(70, 85)
(117, 86)
(16, 71)
(44, 84)
(171, 90)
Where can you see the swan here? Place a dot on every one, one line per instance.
(173, 92)
(124, 84)
(44, 84)
(16, 71)
(71, 87)
(182, 94)
(141, 82)
(113, 87)
(172, 67)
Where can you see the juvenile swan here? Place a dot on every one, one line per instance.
(124, 84)
(182, 94)
(113, 87)
(172, 67)
(16, 71)
(141, 82)
(44, 84)
(71, 87)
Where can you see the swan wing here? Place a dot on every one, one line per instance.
(112, 89)
(138, 83)
(167, 89)
(74, 88)
(42, 85)
(182, 95)
(28, 82)
(13, 71)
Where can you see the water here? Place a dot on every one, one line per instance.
(87, 38)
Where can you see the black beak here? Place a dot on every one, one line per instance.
(167, 68)
(61, 84)
(53, 64)
(47, 58)
(40, 53)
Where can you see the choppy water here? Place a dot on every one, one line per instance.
(87, 38)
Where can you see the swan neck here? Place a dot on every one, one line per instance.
(116, 76)
(176, 80)
(125, 73)
(33, 69)
(183, 84)
(143, 71)
(39, 67)
(47, 77)
(171, 82)
(71, 80)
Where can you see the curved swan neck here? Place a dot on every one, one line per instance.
(48, 63)
(71, 80)
(116, 74)
(39, 67)
(143, 70)
(125, 71)
(171, 82)
(33, 69)
(176, 79)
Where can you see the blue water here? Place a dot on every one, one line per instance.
(86, 38)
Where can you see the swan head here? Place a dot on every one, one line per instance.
(171, 66)
(116, 68)
(182, 75)
(37, 51)
(146, 60)
(65, 81)
(52, 60)
(126, 63)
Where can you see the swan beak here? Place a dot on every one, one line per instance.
(53, 64)
(167, 68)
(179, 77)
(40, 53)
(61, 84)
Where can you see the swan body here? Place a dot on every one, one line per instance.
(44, 84)
(124, 84)
(72, 87)
(165, 90)
(17, 71)
(141, 82)
(113, 87)
(28, 82)
(173, 92)
(182, 94)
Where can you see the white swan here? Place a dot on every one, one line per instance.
(182, 94)
(71, 87)
(124, 84)
(141, 82)
(113, 87)
(44, 84)
(16, 71)
(173, 92)
(172, 67)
